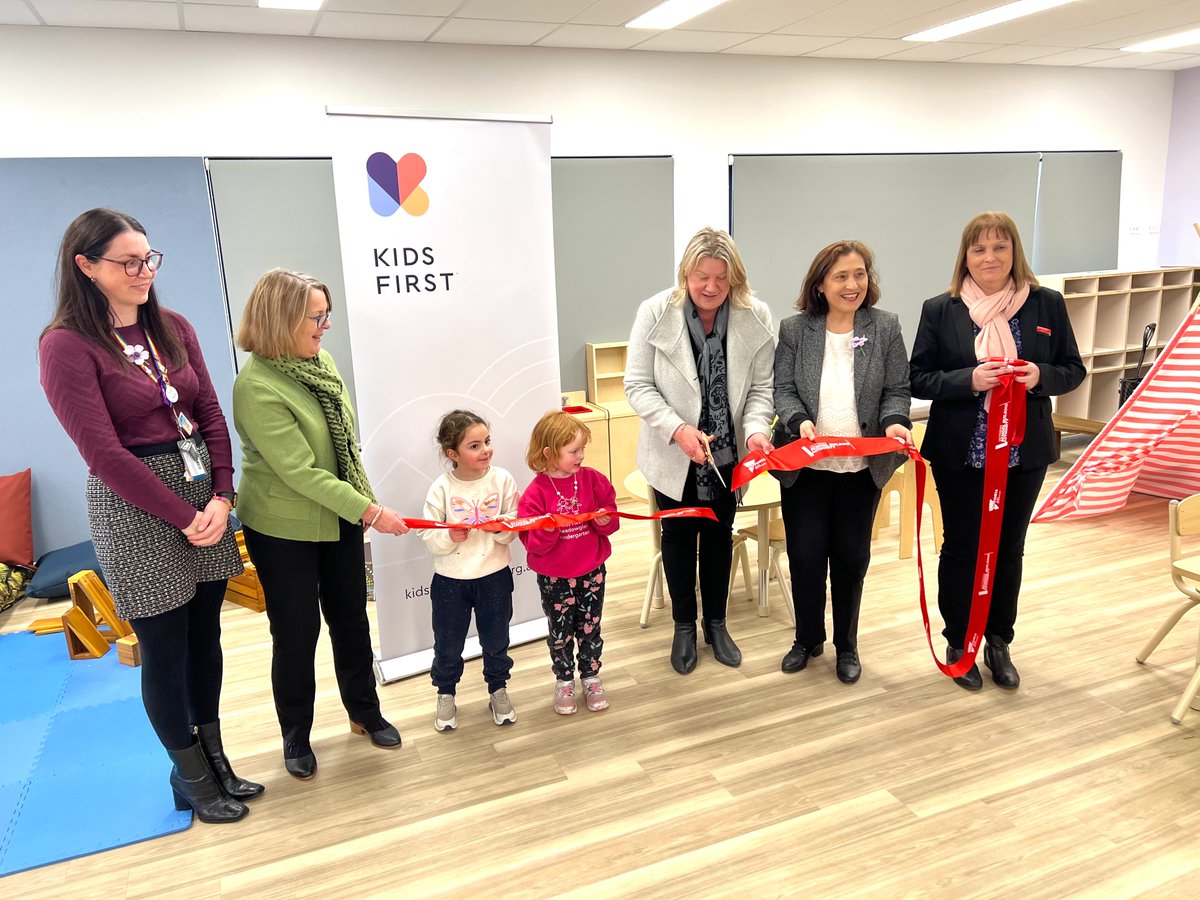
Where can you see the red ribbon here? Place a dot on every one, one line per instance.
(561, 520)
(1006, 427)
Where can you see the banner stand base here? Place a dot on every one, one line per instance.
(398, 667)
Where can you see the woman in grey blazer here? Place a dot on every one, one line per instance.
(699, 371)
(840, 369)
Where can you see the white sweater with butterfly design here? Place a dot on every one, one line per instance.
(450, 499)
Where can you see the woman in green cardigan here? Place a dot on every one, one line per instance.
(304, 502)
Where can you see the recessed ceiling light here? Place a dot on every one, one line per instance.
(1183, 39)
(671, 13)
(305, 5)
(1005, 13)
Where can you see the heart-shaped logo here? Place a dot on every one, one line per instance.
(395, 184)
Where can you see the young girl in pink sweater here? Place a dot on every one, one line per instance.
(569, 561)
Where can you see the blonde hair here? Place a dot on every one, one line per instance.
(712, 243)
(275, 311)
(553, 431)
(1002, 224)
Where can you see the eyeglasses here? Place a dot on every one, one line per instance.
(321, 321)
(133, 267)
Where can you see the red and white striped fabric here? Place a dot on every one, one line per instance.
(1152, 444)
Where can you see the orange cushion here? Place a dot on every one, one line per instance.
(16, 519)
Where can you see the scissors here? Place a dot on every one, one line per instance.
(708, 455)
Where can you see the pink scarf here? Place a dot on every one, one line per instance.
(991, 313)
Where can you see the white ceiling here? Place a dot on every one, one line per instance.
(1084, 33)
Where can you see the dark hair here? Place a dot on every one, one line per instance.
(454, 426)
(81, 306)
(811, 300)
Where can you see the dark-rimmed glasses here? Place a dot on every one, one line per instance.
(133, 267)
(321, 320)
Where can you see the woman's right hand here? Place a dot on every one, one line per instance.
(688, 438)
(808, 430)
(987, 375)
(387, 522)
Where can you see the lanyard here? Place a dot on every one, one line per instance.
(139, 355)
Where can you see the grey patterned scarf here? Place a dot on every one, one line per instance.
(716, 418)
(326, 385)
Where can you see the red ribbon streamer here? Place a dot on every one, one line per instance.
(1006, 427)
(560, 520)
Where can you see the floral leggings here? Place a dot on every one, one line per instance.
(573, 607)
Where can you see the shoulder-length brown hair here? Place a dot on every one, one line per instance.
(811, 300)
(1002, 224)
(275, 311)
(712, 243)
(82, 307)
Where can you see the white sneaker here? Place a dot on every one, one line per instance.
(447, 713)
(502, 708)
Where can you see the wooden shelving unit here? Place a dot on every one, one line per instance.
(606, 390)
(1109, 311)
(606, 371)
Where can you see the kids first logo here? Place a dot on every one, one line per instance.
(394, 184)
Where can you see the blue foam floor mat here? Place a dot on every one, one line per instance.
(83, 771)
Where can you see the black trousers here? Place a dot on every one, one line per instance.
(182, 665)
(303, 580)
(828, 518)
(960, 490)
(452, 600)
(679, 551)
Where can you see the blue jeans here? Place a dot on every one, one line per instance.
(452, 600)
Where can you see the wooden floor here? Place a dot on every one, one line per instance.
(730, 781)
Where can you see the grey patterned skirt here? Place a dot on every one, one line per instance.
(149, 565)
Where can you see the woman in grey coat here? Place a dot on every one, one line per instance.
(699, 373)
(840, 369)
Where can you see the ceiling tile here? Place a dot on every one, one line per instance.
(940, 51)
(202, 17)
(1191, 63)
(1138, 60)
(755, 15)
(113, 14)
(522, 10)
(1014, 53)
(613, 12)
(486, 31)
(853, 18)
(693, 41)
(1153, 19)
(862, 48)
(1077, 57)
(605, 37)
(15, 12)
(781, 45)
(375, 27)
(394, 7)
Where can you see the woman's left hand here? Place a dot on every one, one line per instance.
(1027, 374)
(759, 441)
(211, 526)
(899, 431)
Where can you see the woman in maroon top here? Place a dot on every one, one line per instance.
(128, 383)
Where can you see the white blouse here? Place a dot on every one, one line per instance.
(837, 409)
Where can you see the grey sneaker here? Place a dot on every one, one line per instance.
(502, 708)
(447, 713)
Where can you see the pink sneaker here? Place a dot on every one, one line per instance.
(564, 697)
(593, 692)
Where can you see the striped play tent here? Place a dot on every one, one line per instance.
(1152, 444)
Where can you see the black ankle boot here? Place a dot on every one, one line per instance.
(797, 658)
(209, 737)
(197, 788)
(724, 649)
(299, 760)
(683, 648)
(996, 658)
(970, 679)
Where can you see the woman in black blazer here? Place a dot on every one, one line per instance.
(840, 369)
(993, 309)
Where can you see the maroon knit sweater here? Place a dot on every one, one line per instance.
(107, 405)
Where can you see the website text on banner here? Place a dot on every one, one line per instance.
(1006, 427)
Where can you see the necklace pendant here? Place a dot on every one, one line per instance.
(172, 393)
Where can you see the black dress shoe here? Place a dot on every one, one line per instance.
(971, 679)
(848, 667)
(299, 760)
(797, 658)
(996, 658)
(385, 737)
(209, 738)
(725, 650)
(683, 648)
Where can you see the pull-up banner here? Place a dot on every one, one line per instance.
(448, 259)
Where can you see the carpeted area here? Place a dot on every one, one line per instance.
(81, 770)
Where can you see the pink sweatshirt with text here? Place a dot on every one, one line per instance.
(577, 549)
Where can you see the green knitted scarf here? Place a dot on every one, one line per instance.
(326, 385)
